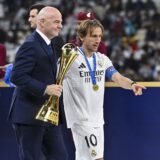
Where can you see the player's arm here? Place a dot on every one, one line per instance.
(126, 83)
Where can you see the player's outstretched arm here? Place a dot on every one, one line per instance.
(126, 83)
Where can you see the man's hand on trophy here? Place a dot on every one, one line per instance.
(54, 89)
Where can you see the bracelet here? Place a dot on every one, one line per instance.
(133, 83)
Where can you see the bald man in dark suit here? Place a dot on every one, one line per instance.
(34, 74)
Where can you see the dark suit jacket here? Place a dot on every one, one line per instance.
(33, 70)
(58, 43)
(2, 59)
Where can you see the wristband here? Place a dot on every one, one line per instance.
(133, 83)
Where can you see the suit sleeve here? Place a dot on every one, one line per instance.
(24, 64)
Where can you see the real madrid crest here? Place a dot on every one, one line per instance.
(100, 63)
(93, 153)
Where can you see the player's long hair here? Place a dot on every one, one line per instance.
(87, 26)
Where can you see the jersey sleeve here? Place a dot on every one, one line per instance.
(110, 69)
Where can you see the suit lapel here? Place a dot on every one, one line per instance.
(51, 56)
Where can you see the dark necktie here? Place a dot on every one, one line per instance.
(50, 48)
(53, 57)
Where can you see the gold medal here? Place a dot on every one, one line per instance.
(95, 87)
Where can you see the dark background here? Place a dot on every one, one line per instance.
(132, 125)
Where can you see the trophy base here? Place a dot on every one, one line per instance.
(52, 117)
(49, 115)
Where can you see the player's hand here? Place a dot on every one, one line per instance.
(54, 89)
(137, 89)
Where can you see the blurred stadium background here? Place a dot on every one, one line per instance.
(132, 30)
(132, 37)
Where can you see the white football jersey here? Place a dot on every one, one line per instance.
(82, 104)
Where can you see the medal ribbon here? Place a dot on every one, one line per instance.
(92, 73)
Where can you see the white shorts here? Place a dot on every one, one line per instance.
(89, 142)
